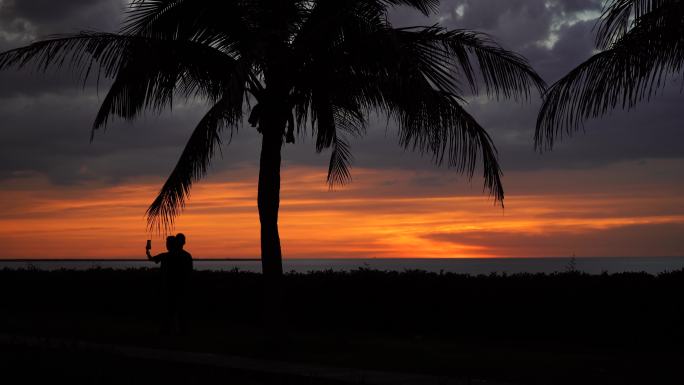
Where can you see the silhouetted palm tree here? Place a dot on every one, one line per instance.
(641, 43)
(294, 64)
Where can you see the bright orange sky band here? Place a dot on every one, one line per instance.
(383, 214)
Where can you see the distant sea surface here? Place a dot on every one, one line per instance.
(591, 265)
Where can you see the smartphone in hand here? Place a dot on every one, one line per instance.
(149, 244)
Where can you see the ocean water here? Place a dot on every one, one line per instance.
(591, 265)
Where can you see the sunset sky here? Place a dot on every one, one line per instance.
(614, 191)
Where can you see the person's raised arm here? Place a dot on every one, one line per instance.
(155, 258)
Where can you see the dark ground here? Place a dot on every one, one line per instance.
(23, 365)
(567, 328)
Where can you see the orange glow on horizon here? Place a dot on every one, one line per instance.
(379, 215)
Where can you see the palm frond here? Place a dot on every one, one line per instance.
(143, 14)
(348, 121)
(434, 122)
(412, 74)
(424, 6)
(79, 52)
(333, 116)
(219, 24)
(619, 15)
(430, 119)
(153, 73)
(504, 73)
(632, 70)
(428, 111)
(193, 164)
(199, 150)
(341, 157)
(147, 72)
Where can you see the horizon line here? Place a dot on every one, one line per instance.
(28, 260)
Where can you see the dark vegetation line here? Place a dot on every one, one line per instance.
(569, 306)
(560, 328)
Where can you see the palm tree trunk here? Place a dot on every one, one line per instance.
(271, 255)
(269, 203)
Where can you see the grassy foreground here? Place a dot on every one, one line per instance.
(566, 328)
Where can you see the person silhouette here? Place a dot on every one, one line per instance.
(181, 274)
(176, 268)
(185, 259)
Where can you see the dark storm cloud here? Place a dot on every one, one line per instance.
(45, 119)
(556, 36)
(50, 134)
(25, 21)
(33, 18)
